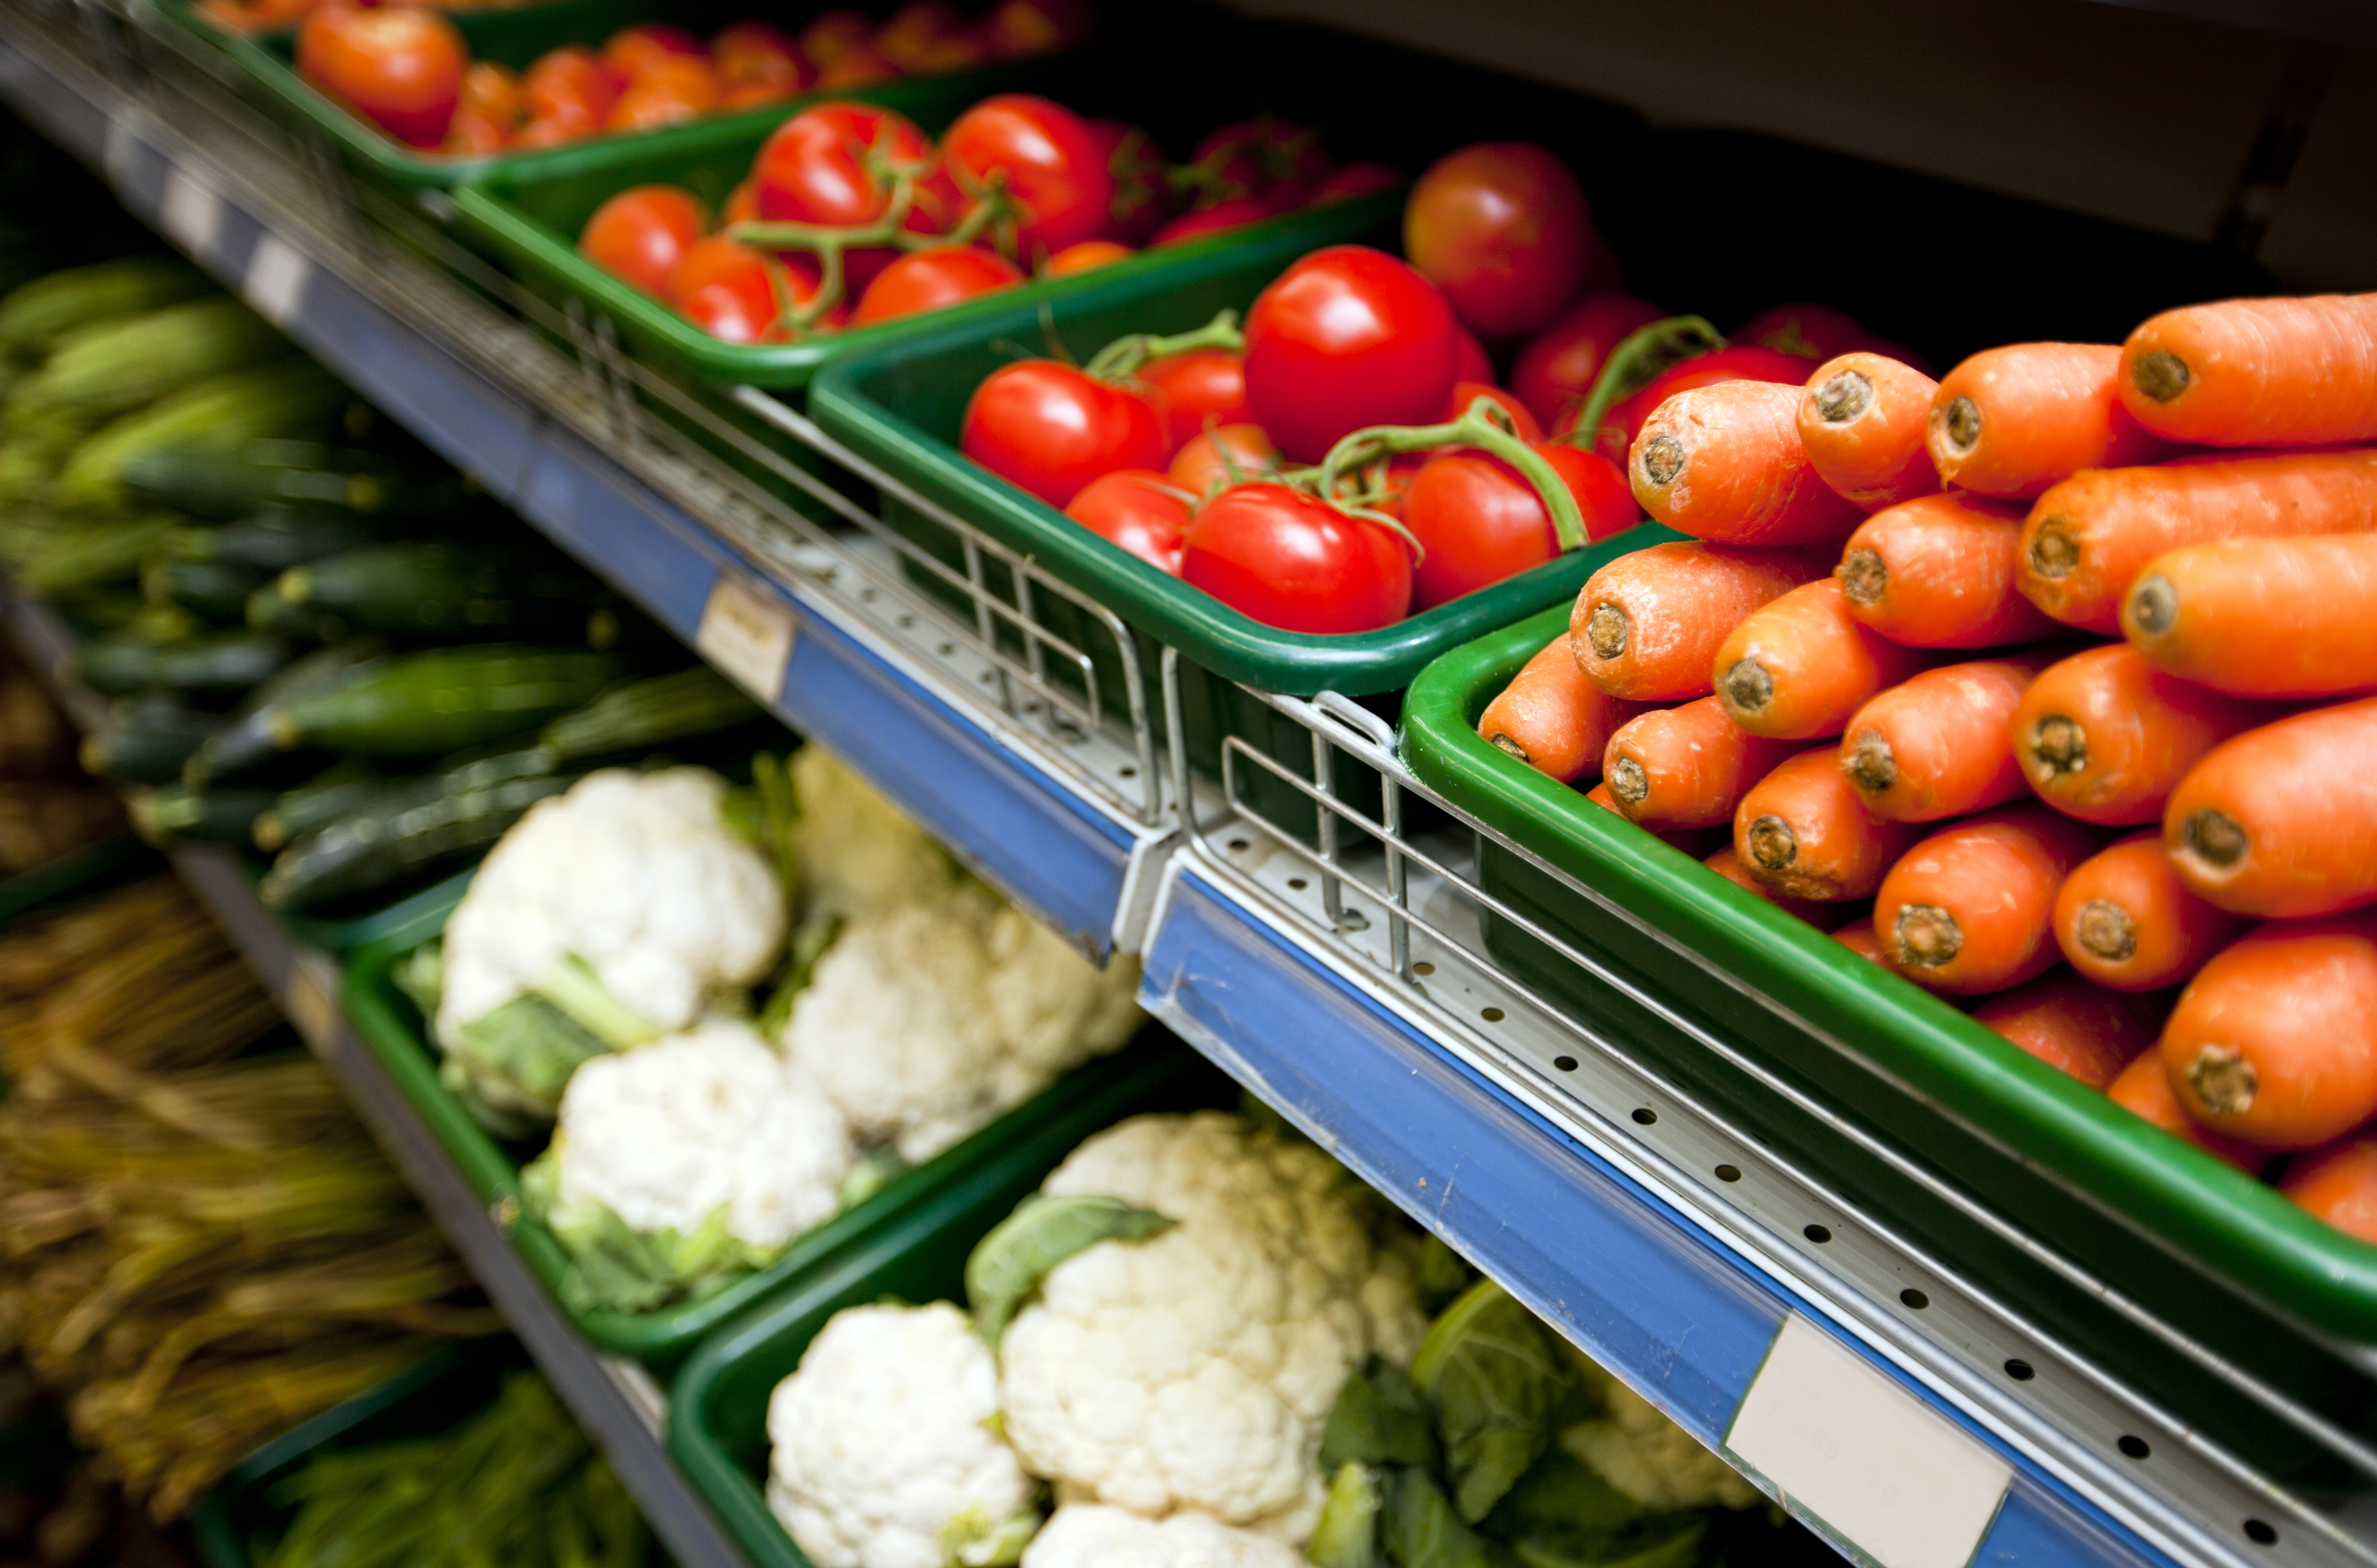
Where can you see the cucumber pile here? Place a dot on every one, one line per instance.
(317, 638)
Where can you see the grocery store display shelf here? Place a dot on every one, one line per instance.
(619, 1404)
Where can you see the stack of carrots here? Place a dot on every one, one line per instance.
(1884, 662)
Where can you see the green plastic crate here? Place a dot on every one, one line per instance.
(515, 36)
(392, 1029)
(2203, 1246)
(718, 1409)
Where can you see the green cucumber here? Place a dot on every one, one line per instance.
(441, 700)
(177, 813)
(411, 830)
(225, 413)
(272, 472)
(272, 539)
(146, 739)
(650, 712)
(36, 315)
(244, 747)
(344, 787)
(215, 591)
(122, 365)
(224, 662)
(435, 588)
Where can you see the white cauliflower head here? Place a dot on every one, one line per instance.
(635, 875)
(1647, 1456)
(927, 1021)
(1090, 1535)
(1195, 1370)
(713, 1120)
(883, 1453)
(859, 854)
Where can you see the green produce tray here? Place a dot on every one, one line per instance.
(2202, 1245)
(530, 215)
(516, 36)
(237, 1524)
(718, 1408)
(392, 1029)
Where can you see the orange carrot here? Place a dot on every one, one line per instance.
(1934, 745)
(2281, 822)
(2105, 737)
(2257, 372)
(1939, 572)
(2012, 421)
(2088, 538)
(2077, 1028)
(2123, 919)
(1691, 841)
(2144, 1089)
(1727, 864)
(1803, 833)
(1648, 622)
(2338, 1185)
(1972, 907)
(1858, 938)
(1863, 418)
(1551, 717)
(1725, 463)
(2262, 617)
(1797, 668)
(1686, 767)
(2275, 1041)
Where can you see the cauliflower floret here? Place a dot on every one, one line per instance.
(1649, 1457)
(1090, 1535)
(1195, 1370)
(635, 875)
(668, 1134)
(883, 1456)
(925, 1022)
(859, 854)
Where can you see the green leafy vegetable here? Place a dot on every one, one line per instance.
(1008, 1265)
(1422, 1531)
(1490, 1372)
(1347, 1535)
(511, 1064)
(615, 1268)
(1443, 1276)
(1378, 1418)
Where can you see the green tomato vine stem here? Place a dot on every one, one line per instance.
(1485, 426)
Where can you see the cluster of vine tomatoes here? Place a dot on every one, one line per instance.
(850, 215)
(407, 70)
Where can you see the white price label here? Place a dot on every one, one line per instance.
(1898, 1481)
(276, 279)
(746, 631)
(190, 213)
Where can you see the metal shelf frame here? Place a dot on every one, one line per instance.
(1587, 1184)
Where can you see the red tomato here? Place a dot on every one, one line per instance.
(1086, 256)
(668, 91)
(641, 234)
(1480, 521)
(492, 90)
(832, 34)
(713, 260)
(1348, 181)
(1294, 562)
(908, 38)
(933, 280)
(1052, 165)
(1142, 188)
(1347, 337)
(1233, 212)
(1252, 157)
(1467, 392)
(856, 68)
(742, 203)
(1138, 510)
(1018, 28)
(1050, 428)
(1554, 372)
(829, 165)
(1745, 361)
(400, 67)
(1501, 228)
(472, 133)
(1200, 387)
(632, 48)
(1476, 365)
(548, 133)
(1812, 332)
(755, 55)
(1222, 457)
(572, 87)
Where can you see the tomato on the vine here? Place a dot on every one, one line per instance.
(1142, 188)
(1252, 157)
(631, 49)
(1501, 228)
(1053, 167)
(1232, 212)
(909, 37)
(759, 57)
(1051, 428)
(1349, 182)
(933, 280)
(570, 88)
(1222, 457)
(1202, 386)
(1347, 337)
(1478, 520)
(1522, 421)
(1019, 28)
(641, 234)
(839, 165)
(1556, 371)
(1138, 510)
(398, 66)
(1811, 332)
(1474, 363)
(668, 89)
(831, 34)
(1292, 561)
